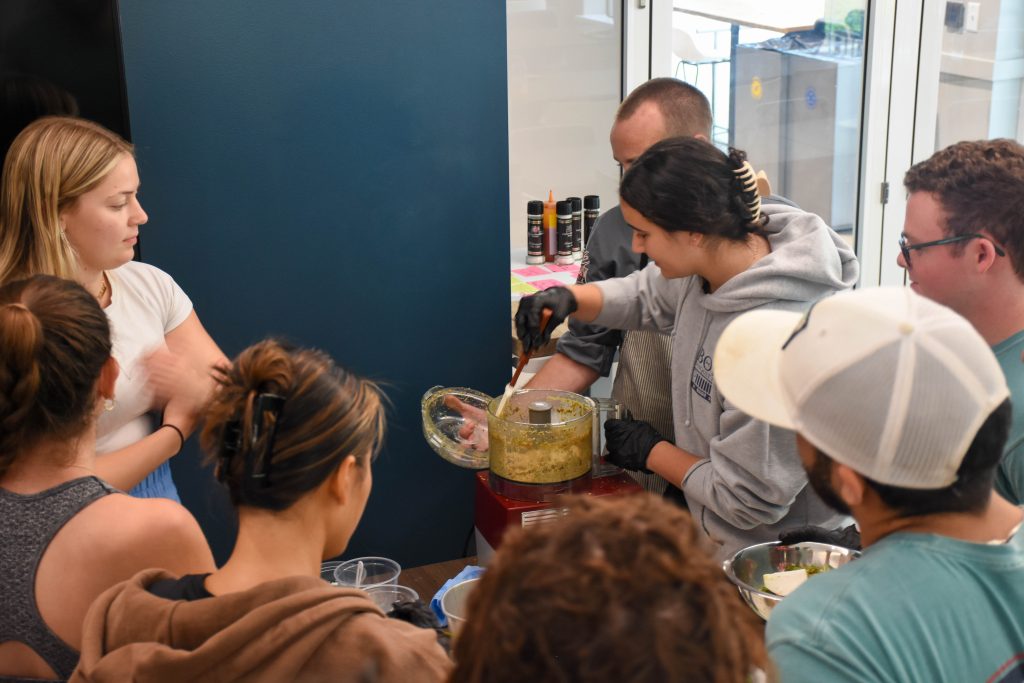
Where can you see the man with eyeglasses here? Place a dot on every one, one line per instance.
(963, 246)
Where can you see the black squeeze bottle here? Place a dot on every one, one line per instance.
(591, 209)
(563, 213)
(577, 227)
(535, 232)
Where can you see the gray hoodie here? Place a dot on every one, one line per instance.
(751, 484)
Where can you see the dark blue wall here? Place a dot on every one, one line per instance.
(336, 172)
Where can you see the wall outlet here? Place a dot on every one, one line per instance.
(972, 10)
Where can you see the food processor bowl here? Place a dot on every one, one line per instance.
(537, 460)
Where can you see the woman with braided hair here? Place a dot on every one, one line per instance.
(66, 535)
(292, 437)
(617, 590)
(717, 251)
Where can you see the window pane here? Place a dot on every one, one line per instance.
(564, 85)
(786, 80)
(980, 72)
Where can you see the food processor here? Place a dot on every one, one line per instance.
(544, 443)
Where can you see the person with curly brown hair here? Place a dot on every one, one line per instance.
(620, 589)
(962, 245)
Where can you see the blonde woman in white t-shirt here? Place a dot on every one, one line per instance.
(70, 208)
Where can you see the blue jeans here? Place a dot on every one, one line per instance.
(157, 484)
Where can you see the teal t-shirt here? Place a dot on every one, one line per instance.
(914, 607)
(1010, 475)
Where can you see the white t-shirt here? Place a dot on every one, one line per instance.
(145, 304)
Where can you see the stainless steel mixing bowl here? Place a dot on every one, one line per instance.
(747, 568)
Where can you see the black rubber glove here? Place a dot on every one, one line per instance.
(844, 538)
(562, 304)
(418, 613)
(629, 443)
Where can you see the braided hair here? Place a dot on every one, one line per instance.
(687, 184)
(54, 341)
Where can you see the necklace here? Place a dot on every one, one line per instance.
(103, 285)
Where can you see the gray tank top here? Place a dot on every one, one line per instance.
(30, 523)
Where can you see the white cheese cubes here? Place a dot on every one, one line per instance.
(784, 583)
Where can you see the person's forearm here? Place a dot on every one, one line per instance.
(563, 373)
(126, 467)
(589, 301)
(671, 462)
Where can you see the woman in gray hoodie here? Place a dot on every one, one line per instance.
(716, 252)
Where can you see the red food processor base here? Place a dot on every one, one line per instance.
(537, 493)
(495, 513)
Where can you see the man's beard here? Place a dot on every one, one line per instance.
(820, 477)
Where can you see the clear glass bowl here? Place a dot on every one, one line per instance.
(455, 425)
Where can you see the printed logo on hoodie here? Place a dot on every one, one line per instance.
(702, 378)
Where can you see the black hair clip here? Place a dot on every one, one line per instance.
(231, 444)
(258, 465)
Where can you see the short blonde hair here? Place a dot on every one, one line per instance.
(52, 162)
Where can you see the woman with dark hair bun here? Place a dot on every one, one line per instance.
(717, 251)
(617, 590)
(66, 535)
(291, 436)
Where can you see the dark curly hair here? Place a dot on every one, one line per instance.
(619, 589)
(689, 184)
(980, 185)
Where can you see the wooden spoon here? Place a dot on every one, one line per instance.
(524, 358)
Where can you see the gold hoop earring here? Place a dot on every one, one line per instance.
(108, 404)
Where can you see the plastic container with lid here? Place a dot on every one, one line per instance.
(591, 210)
(535, 232)
(563, 212)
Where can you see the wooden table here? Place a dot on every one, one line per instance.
(427, 579)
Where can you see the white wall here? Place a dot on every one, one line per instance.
(564, 85)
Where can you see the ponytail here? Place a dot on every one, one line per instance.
(20, 338)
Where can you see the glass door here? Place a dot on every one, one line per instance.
(974, 70)
(786, 83)
(957, 75)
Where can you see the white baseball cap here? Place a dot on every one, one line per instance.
(885, 381)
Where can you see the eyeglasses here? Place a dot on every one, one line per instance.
(906, 247)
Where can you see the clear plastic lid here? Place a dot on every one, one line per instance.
(455, 425)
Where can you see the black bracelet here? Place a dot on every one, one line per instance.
(181, 435)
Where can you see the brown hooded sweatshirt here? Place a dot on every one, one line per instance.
(293, 629)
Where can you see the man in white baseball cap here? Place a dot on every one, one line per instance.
(900, 411)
